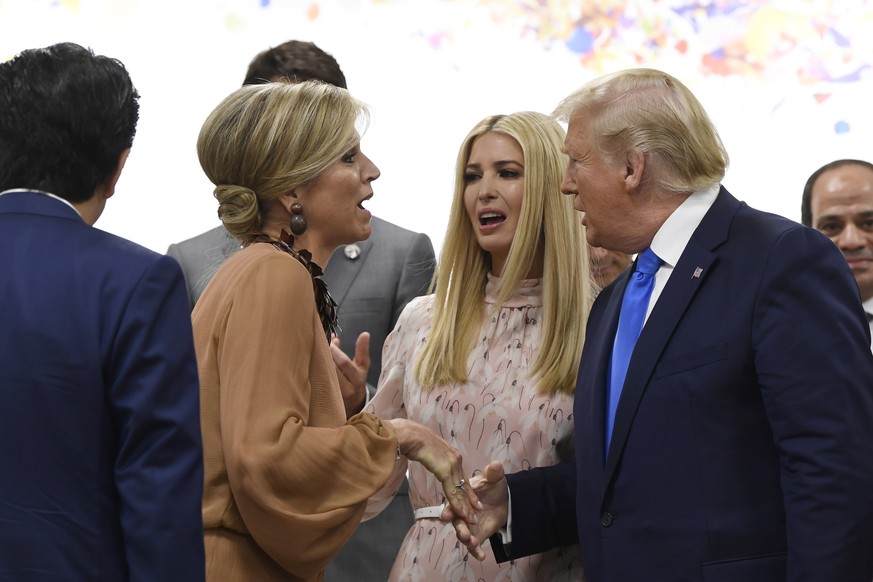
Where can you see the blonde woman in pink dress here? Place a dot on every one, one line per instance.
(489, 361)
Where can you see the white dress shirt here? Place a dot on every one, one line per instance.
(868, 308)
(673, 236)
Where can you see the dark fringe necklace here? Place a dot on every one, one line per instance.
(323, 301)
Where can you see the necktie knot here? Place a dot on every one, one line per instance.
(648, 262)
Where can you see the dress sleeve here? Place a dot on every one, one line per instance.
(389, 399)
(300, 489)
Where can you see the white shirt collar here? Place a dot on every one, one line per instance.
(671, 239)
(673, 236)
(868, 305)
(868, 308)
(49, 194)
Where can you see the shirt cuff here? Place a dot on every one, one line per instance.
(505, 532)
(371, 391)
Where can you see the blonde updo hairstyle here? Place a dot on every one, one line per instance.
(263, 141)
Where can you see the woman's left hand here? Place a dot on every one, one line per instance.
(352, 374)
(418, 443)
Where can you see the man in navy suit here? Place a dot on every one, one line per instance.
(371, 281)
(741, 447)
(101, 469)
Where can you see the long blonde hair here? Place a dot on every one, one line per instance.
(459, 282)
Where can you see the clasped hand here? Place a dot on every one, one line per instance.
(492, 495)
(416, 441)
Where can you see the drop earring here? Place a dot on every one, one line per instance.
(298, 221)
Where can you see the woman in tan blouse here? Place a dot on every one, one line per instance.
(287, 477)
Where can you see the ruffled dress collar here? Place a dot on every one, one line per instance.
(529, 293)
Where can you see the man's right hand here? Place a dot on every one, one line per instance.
(493, 492)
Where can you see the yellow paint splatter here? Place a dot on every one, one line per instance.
(234, 22)
(771, 32)
(71, 5)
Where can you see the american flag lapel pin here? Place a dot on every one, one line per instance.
(697, 273)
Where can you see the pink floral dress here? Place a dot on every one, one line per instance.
(496, 415)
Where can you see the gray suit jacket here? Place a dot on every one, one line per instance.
(371, 281)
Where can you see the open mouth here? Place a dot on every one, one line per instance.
(491, 218)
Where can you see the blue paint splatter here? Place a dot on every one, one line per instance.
(265, 3)
(581, 41)
(841, 127)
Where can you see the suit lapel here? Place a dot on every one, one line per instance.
(688, 276)
(342, 271)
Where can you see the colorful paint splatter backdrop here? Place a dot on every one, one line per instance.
(788, 82)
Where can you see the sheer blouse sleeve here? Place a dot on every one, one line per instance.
(397, 355)
(299, 476)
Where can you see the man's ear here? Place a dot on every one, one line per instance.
(107, 188)
(634, 169)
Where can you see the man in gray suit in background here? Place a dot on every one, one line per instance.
(371, 281)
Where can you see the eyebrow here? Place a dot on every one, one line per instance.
(842, 217)
(829, 217)
(499, 164)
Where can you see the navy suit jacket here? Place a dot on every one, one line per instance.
(743, 440)
(101, 470)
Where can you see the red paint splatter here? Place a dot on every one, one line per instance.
(312, 11)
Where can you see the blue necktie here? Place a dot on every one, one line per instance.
(630, 324)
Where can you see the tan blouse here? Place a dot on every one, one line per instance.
(286, 477)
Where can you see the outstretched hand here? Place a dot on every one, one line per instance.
(493, 494)
(418, 443)
(352, 374)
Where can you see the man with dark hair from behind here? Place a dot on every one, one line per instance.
(838, 201)
(101, 458)
(294, 61)
(372, 281)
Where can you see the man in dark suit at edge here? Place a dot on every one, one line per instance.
(371, 281)
(838, 202)
(741, 445)
(101, 464)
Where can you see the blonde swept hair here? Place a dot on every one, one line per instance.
(654, 113)
(262, 141)
(462, 271)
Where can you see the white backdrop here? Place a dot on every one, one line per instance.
(789, 83)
